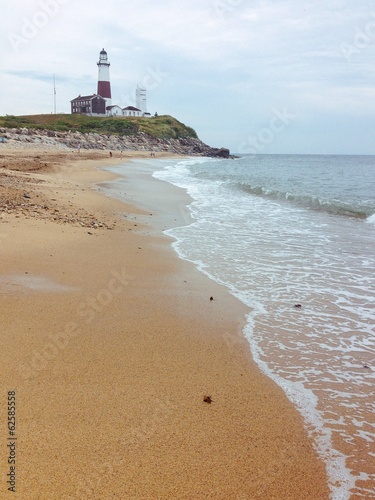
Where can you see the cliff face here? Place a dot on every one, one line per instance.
(140, 141)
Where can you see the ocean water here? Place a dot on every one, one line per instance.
(293, 238)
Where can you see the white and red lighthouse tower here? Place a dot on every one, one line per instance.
(104, 84)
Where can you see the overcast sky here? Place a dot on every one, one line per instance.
(262, 76)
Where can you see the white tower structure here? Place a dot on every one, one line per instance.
(141, 99)
(104, 84)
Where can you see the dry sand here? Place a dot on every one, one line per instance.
(111, 343)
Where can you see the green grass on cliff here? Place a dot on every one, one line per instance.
(161, 127)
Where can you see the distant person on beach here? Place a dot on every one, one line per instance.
(110, 154)
(3, 140)
(79, 148)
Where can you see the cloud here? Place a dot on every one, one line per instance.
(220, 64)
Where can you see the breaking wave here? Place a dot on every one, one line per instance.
(334, 207)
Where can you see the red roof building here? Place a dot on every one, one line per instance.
(89, 105)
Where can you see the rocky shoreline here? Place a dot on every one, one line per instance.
(19, 137)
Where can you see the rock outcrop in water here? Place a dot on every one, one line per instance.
(135, 142)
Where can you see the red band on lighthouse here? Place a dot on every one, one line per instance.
(104, 90)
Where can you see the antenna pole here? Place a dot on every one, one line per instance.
(54, 94)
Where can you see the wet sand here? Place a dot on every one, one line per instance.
(112, 359)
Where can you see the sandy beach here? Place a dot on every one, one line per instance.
(129, 382)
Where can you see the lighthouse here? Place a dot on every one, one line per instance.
(104, 85)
